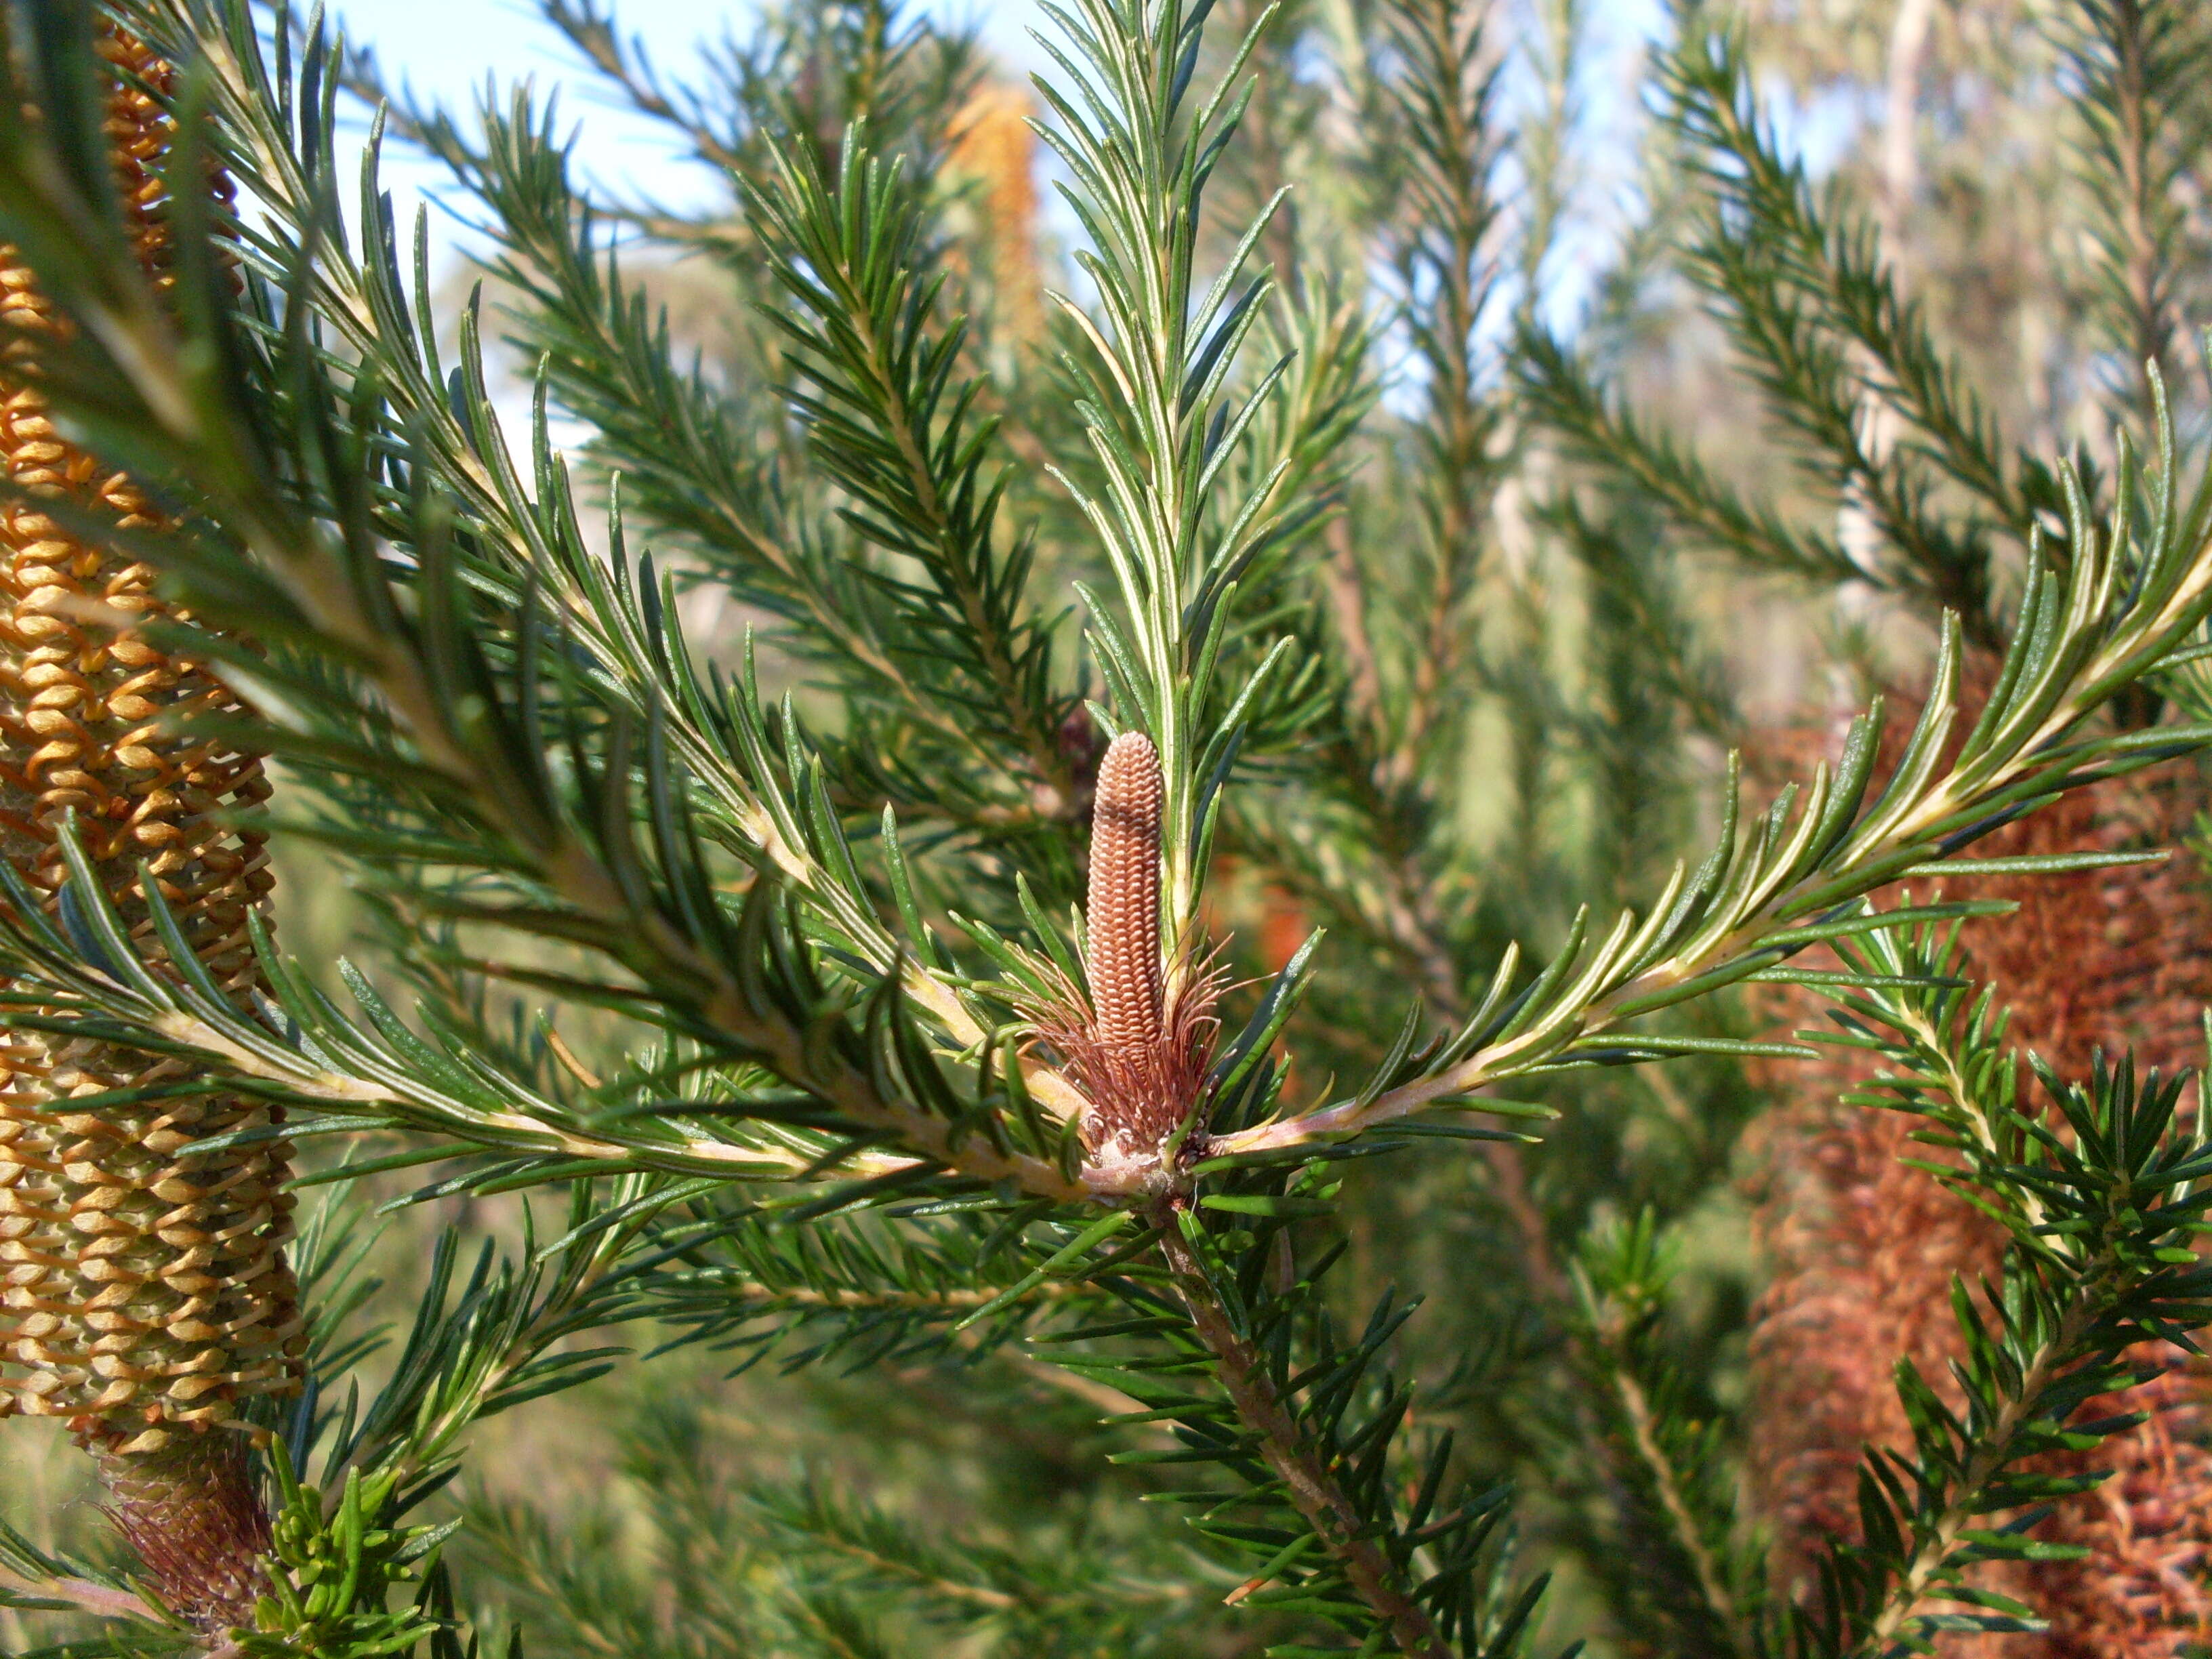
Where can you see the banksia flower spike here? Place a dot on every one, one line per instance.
(1866, 1245)
(1140, 1045)
(993, 143)
(144, 1297)
(1127, 990)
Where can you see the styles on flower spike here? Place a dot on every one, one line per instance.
(1139, 1047)
(144, 1295)
(1127, 988)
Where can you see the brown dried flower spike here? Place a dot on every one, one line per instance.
(1140, 1049)
(144, 1295)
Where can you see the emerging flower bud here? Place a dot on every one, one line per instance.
(1123, 915)
(1139, 1046)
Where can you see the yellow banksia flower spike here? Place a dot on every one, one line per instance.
(144, 1295)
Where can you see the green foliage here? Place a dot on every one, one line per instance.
(335, 1564)
(1308, 1426)
(723, 950)
(2138, 87)
(1818, 319)
(1690, 1573)
(791, 1567)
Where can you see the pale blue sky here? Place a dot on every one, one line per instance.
(445, 49)
(448, 44)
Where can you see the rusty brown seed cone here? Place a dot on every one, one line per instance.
(144, 1295)
(1123, 914)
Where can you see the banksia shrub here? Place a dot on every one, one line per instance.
(147, 1299)
(828, 997)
